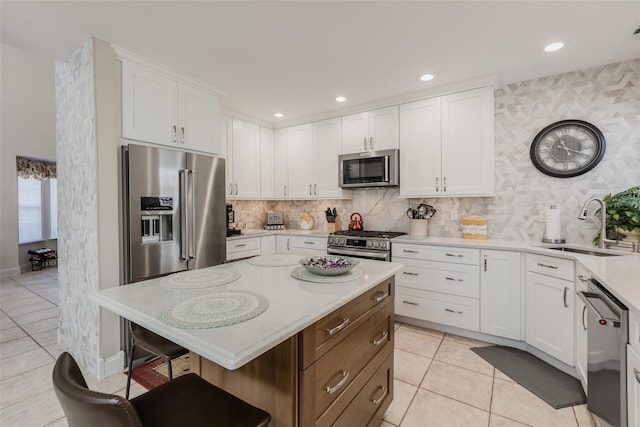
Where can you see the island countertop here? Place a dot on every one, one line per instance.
(293, 305)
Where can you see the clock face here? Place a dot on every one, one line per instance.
(567, 148)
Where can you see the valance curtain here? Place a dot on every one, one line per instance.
(37, 169)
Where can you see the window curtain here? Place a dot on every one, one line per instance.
(37, 169)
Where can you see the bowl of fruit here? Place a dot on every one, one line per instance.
(328, 265)
(306, 222)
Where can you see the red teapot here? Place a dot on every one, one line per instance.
(356, 224)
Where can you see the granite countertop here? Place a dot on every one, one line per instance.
(619, 274)
(293, 305)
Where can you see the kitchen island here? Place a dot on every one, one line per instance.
(313, 357)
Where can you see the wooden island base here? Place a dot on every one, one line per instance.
(336, 372)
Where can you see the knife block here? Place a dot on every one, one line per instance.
(334, 226)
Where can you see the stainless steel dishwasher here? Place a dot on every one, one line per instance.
(608, 335)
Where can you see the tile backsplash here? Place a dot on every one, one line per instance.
(607, 96)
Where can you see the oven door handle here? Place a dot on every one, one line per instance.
(358, 253)
(602, 320)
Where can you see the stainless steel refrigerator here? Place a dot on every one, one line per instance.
(175, 212)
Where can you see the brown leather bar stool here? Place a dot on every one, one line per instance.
(186, 401)
(152, 343)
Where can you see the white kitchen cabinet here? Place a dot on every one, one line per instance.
(582, 275)
(633, 387)
(226, 138)
(301, 159)
(281, 164)
(245, 161)
(310, 246)
(370, 131)
(447, 145)
(243, 248)
(267, 186)
(549, 324)
(267, 245)
(283, 244)
(500, 294)
(327, 144)
(159, 108)
(438, 284)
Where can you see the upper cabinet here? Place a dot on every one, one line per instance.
(370, 131)
(447, 145)
(243, 160)
(160, 108)
(306, 161)
(267, 190)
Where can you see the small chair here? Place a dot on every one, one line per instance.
(186, 401)
(152, 343)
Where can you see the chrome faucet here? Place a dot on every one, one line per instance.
(603, 226)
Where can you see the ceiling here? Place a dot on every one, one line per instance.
(297, 56)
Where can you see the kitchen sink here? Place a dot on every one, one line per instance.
(582, 251)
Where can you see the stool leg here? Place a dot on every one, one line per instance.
(169, 369)
(129, 370)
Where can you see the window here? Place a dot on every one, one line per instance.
(37, 201)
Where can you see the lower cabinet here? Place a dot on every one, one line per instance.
(346, 362)
(243, 248)
(581, 326)
(307, 245)
(550, 308)
(500, 294)
(267, 245)
(283, 244)
(633, 386)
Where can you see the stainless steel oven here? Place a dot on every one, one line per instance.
(607, 337)
(362, 244)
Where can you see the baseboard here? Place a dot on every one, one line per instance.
(111, 365)
(8, 272)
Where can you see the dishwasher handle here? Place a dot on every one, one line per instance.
(600, 318)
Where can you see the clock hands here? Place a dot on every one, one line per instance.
(567, 149)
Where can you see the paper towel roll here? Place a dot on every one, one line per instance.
(553, 224)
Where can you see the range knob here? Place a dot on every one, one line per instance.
(376, 244)
(384, 245)
(330, 240)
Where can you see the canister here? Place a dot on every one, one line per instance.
(474, 227)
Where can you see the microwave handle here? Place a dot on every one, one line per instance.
(387, 161)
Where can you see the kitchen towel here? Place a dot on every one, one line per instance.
(553, 224)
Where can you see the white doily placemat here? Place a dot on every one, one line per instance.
(275, 260)
(203, 278)
(215, 310)
(303, 274)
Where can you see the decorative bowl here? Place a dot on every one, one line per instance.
(328, 265)
(306, 225)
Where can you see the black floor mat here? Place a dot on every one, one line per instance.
(548, 383)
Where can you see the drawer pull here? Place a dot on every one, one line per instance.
(331, 390)
(582, 278)
(382, 339)
(409, 302)
(408, 273)
(240, 245)
(637, 374)
(555, 267)
(454, 280)
(453, 311)
(380, 296)
(409, 251)
(341, 326)
(309, 243)
(384, 394)
(454, 255)
(564, 297)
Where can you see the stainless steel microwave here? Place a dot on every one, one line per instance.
(369, 169)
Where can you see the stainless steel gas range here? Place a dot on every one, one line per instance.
(362, 244)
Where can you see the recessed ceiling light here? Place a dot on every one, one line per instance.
(426, 77)
(278, 115)
(553, 46)
(341, 98)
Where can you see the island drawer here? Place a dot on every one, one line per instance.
(551, 266)
(328, 379)
(436, 253)
(373, 400)
(453, 279)
(461, 312)
(322, 336)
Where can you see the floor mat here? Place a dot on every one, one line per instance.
(548, 383)
(155, 372)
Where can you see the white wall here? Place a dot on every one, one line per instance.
(27, 128)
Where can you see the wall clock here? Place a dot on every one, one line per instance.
(567, 148)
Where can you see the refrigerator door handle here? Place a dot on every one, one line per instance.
(183, 213)
(192, 208)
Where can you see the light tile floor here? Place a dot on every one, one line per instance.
(438, 380)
